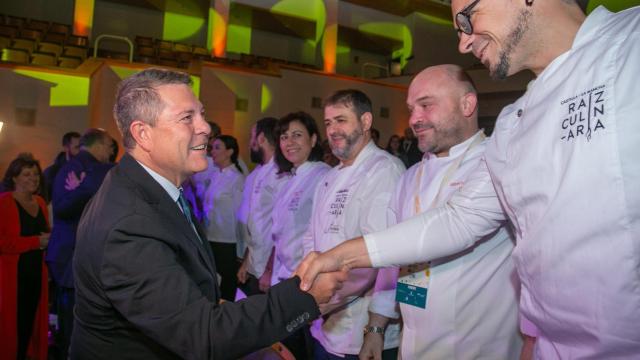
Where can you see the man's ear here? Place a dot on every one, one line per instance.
(142, 134)
(367, 120)
(468, 104)
(314, 140)
(260, 139)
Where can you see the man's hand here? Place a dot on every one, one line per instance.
(312, 265)
(325, 285)
(72, 181)
(44, 240)
(242, 271)
(348, 255)
(372, 346)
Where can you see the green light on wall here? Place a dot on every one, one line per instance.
(68, 90)
(124, 72)
(195, 85)
(612, 5)
(313, 10)
(239, 32)
(239, 39)
(265, 98)
(178, 27)
(396, 31)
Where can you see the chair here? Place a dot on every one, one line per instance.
(168, 62)
(178, 47)
(145, 51)
(163, 44)
(69, 62)
(146, 59)
(53, 48)
(5, 42)
(56, 38)
(166, 54)
(9, 31)
(60, 29)
(43, 58)
(75, 51)
(28, 45)
(31, 34)
(184, 59)
(144, 41)
(201, 53)
(15, 55)
(15, 21)
(39, 25)
(78, 41)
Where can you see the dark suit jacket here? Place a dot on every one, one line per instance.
(146, 286)
(67, 209)
(411, 154)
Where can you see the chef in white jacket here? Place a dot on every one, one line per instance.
(462, 306)
(353, 199)
(561, 165)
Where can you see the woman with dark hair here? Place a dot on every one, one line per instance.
(393, 146)
(298, 153)
(221, 200)
(24, 234)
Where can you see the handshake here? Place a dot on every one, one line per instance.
(322, 274)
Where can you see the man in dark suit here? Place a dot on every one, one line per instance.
(410, 153)
(91, 166)
(70, 148)
(145, 277)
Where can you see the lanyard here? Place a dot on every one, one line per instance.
(445, 179)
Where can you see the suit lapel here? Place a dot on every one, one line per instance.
(157, 197)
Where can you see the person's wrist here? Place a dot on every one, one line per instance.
(373, 330)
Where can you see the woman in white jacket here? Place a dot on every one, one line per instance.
(299, 154)
(222, 198)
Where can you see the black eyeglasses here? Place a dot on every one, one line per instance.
(463, 19)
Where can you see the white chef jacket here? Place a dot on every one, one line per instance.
(563, 162)
(351, 201)
(243, 212)
(222, 196)
(472, 300)
(291, 217)
(266, 185)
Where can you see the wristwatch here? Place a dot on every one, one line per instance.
(373, 329)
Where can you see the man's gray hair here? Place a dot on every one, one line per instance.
(137, 99)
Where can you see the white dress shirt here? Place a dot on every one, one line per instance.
(563, 163)
(351, 201)
(222, 197)
(291, 217)
(266, 185)
(472, 300)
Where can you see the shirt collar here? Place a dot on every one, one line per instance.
(457, 149)
(167, 185)
(302, 169)
(591, 25)
(364, 153)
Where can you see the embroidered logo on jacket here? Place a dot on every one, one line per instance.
(585, 114)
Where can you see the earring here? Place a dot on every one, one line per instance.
(528, 2)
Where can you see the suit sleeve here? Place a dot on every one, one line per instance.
(165, 303)
(68, 204)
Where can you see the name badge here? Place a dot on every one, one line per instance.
(413, 285)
